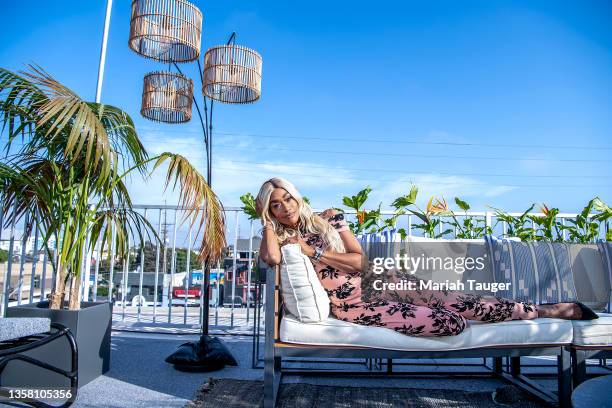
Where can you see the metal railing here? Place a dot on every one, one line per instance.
(152, 298)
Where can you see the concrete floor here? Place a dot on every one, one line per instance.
(139, 376)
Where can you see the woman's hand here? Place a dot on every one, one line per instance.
(328, 213)
(306, 249)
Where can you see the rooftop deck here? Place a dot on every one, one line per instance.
(139, 377)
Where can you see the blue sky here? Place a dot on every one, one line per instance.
(501, 103)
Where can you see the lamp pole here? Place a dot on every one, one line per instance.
(207, 130)
(109, 6)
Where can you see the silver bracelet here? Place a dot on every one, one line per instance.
(318, 253)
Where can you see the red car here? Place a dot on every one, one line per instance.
(193, 292)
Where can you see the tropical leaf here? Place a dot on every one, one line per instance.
(462, 204)
(201, 204)
(405, 201)
(249, 206)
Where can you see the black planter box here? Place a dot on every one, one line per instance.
(91, 327)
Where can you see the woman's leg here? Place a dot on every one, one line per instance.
(476, 307)
(406, 318)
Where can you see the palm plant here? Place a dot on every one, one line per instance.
(65, 165)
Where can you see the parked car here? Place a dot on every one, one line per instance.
(193, 294)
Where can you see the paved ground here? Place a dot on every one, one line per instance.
(139, 377)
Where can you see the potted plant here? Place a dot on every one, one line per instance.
(64, 170)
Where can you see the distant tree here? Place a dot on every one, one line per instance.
(3, 256)
(150, 255)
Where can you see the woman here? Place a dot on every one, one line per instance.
(337, 259)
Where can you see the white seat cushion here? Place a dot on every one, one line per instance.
(334, 332)
(596, 332)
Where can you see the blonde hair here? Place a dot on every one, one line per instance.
(308, 220)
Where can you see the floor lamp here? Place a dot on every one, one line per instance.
(170, 31)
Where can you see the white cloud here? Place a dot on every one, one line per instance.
(449, 187)
(232, 178)
(241, 170)
(233, 175)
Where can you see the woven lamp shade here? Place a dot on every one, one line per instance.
(167, 97)
(166, 30)
(232, 74)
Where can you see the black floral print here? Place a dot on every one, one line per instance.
(329, 273)
(406, 309)
(410, 330)
(371, 306)
(370, 320)
(445, 322)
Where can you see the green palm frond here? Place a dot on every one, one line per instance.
(202, 204)
(67, 112)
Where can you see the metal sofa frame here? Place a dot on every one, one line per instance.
(579, 356)
(276, 350)
(12, 350)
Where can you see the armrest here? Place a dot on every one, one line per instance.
(272, 319)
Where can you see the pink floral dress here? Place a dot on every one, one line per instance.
(430, 313)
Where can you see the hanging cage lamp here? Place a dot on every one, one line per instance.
(166, 30)
(232, 74)
(167, 97)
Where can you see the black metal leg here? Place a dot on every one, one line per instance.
(515, 366)
(272, 376)
(579, 366)
(256, 317)
(497, 364)
(564, 382)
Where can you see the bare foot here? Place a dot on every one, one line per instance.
(569, 311)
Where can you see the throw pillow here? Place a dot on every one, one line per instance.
(303, 294)
(605, 251)
(539, 271)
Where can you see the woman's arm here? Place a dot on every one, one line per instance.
(269, 250)
(350, 261)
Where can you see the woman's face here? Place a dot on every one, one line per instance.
(284, 207)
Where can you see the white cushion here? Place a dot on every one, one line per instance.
(596, 332)
(303, 294)
(16, 327)
(334, 332)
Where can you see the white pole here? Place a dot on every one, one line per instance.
(109, 6)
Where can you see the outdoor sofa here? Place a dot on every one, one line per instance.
(593, 339)
(286, 337)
